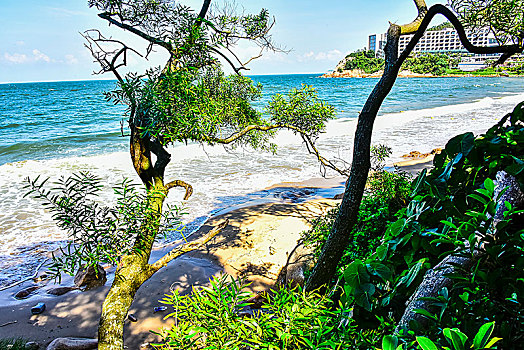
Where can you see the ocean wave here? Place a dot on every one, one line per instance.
(221, 177)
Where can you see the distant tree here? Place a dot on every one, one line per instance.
(436, 64)
(364, 60)
(189, 99)
(333, 249)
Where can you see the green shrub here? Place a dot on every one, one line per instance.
(211, 318)
(436, 64)
(13, 344)
(364, 60)
(451, 212)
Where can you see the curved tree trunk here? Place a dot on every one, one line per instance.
(338, 238)
(333, 249)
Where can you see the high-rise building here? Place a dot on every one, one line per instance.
(372, 43)
(441, 40)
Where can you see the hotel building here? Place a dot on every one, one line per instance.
(439, 41)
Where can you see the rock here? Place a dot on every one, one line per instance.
(60, 290)
(339, 196)
(24, 293)
(73, 344)
(293, 273)
(90, 277)
(31, 345)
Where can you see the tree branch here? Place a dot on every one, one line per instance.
(325, 162)
(108, 17)
(414, 26)
(507, 50)
(180, 183)
(187, 247)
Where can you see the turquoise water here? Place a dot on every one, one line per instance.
(62, 119)
(55, 129)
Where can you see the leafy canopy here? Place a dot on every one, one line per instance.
(504, 18)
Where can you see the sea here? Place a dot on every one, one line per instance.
(55, 129)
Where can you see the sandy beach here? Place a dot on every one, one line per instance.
(254, 245)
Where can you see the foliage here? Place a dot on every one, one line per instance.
(301, 110)
(441, 26)
(13, 344)
(212, 318)
(449, 339)
(98, 233)
(451, 212)
(385, 194)
(364, 60)
(435, 64)
(504, 18)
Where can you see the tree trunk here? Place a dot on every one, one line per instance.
(337, 241)
(435, 279)
(134, 268)
(338, 238)
(128, 280)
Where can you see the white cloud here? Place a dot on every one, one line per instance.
(40, 56)
(16, 58)
(71, 59)
(333, 55)
(20, 43)
(20, 58)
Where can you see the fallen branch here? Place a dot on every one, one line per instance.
(187, 247)
(8, 323)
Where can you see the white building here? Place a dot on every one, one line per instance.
(441, 41)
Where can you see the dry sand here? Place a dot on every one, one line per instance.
(254, 245)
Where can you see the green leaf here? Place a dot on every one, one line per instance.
(419, 181)
(458, 339)
(460, 144)
(492, 342)
(426, 314)
(389, 342)
(355, 274)
(489, 185)
(380, 270)
(396, 228)
(483, 335)
(426, 344)
(382, 251)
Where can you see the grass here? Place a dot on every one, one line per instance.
(12, 344)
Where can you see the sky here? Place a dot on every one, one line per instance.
(41, 41)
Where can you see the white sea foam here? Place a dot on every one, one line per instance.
(223, 178)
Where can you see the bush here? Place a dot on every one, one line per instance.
(364, 60)
(436, 64)
(211, 318)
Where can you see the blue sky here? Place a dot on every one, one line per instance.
(40, 40)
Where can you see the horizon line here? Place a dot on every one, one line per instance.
(98, 79)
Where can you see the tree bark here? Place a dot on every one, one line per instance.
(338, 238)
(435, 279)
(337, 241)
(127, 281)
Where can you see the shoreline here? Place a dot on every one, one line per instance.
(255, 245)
(409, 74)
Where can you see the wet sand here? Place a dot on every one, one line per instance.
(254, 245)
